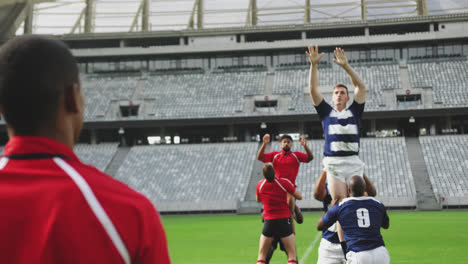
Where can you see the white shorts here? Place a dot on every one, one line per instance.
(330, 253)
(342, 168)
(374, 256)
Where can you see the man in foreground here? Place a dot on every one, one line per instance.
(361, 218)
(56, 209)
(330, 250)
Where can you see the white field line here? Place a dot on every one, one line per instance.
(309, 249)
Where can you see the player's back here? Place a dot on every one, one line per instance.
(58, 210)
(274, 198)
(361, 219)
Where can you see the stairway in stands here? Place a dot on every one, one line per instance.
(249, 205)
(426, 199)
(117, 160)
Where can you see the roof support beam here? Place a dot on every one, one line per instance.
(363, 10)
(197, 5)
(200, 14)
(78, 22)
(145, 15)
(252, 14)
(89, 16)
(28, 21)
(307, 12)
(422, 7)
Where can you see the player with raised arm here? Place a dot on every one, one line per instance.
(272, 192)
(330, 250)
(341, 126)
(286, 164)
(361, 218)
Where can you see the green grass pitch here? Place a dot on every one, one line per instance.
(413, 237)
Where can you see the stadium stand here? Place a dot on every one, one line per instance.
(199, 177)
(387, 166)
(200, 95)
(447, 163)
(100, 90)
(221, 94)
(448, 79)
(99, 155)
(296, 82)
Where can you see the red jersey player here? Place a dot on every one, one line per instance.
(272, 192)
(286, 164)
(56, 209)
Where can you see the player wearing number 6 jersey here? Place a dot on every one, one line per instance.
(361, 218)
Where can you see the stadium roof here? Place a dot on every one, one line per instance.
(78, 16)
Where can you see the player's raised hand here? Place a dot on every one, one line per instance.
(340, 57)
(313, 55)
(266, 139)
(303, 141)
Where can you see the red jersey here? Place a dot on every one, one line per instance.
(286, 164)
(274, 198)
(56, 209)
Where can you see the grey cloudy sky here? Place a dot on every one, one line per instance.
(117, 15)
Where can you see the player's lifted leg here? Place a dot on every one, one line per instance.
(341, 125)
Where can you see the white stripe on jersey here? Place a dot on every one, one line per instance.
(280, 185)
(273, 161)
(292, 185)
(344, 146)
(360, 198)
(292, 153)
(337, 129)
(260, 189)
(3, 162)
(96, 207)
(341, 115)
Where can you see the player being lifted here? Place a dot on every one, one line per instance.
(286, 164)
(341, 126)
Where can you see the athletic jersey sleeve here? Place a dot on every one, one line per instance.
(323, 109)
(268, 157)
(154, 245)
(301, 156)
(385, 219)
(287, 185)
(258, 188)
(331, 216)
(357, 109)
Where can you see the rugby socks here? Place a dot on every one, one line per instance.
(260, 262)
(291, 261)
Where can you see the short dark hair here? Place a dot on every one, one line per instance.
(343, 86)
(269, 172)
(285, 136)
(34, 71)
(357, 186)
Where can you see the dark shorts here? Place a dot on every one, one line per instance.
(277, 227)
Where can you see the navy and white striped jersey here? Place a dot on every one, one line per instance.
(341, 129)
(361, 219)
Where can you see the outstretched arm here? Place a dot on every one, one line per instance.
(314, 59)
(360, 88)
(261, 151)
(303, 142)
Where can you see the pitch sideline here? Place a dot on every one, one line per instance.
(311, 246)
